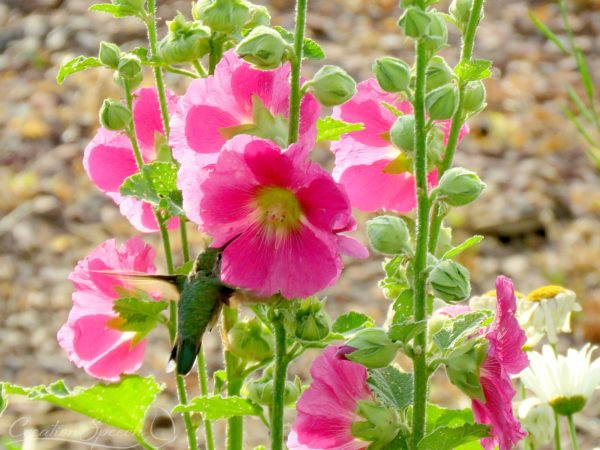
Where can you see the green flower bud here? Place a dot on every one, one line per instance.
(463, 367)
(132, 83)
(459, 187)
(312, 323)
(259, 15)
(130, 67)
(442, 102)
(393, 74)
(437, 35)
(186, 41)
(460, 10)
(435, 147)
(388, 235)
(474, 98)
(224, 16)
(374, 349)
(109, 54)
(332, 86)
(415, 22)
(114, 115)
(251, 340)
(450, 281)
(435, 324)
(402, 133)
(438, 73)
(381, 424)
(264, 48)
(261, 391)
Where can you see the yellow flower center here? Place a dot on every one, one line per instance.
(278, 208)
(545, 293)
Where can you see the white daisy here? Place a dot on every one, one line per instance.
(538, 420)
(565, 382)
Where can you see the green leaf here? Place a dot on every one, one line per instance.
(581, 106)
(406, 331)
(351, 322)
(400, 442)
(117, 11)
(588, 83)
(455, 251)
(217, 407)
(220, 380)
(3, 401)
(458, 328)
(330, 129)
(438, 416)
(75, 65)
(548, 33)
(7, 444)
(122, 405)
(477, 69)
(391, 386)
(403, 306)
(138, 315)
(312, 50)
(451, 437)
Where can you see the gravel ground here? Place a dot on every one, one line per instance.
(540, 213)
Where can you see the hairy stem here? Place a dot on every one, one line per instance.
(279, 378)
(235, 425)
(295, 94)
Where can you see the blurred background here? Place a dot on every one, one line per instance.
(540, 214)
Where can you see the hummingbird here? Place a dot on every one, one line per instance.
(201, 295)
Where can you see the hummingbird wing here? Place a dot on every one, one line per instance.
(167, 286)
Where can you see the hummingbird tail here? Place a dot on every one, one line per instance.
(184, 355)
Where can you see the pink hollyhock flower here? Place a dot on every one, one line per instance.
(362, 158)
(279, 216)
(505, 357)
(219, 107)
(108, 159)
(87, 337)
(326, 410)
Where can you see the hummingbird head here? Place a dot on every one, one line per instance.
(209, 261)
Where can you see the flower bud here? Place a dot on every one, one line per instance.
(538, 420)
(459, 187)
(332, 86)
(264, 48)
(450, 281)
(402, 133)
(374, 349)
(186, 41)
(463, 367)
(442, 102)
(130, 67)
(437, 35)
(224, 16)
(388, 235)
(435, 147)
(132, 83)
(460, 10)
(381, 424)
(474, 98)
(393, 74)
(312, 323)
(415, 22)
(259, 15)
(114, 115)
(438, 73)
(109, 54)
(261, 391)
(251, 340)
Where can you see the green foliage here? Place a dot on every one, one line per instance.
(438, 416)
(3, 401)
(139, 315)
(310, 49)
(122, 405)
(330, 129)
(477, 69)
(457, 329)
(455, 251)
(77, 64)
(117, 10)
(451, 437)
(406, 331)
(217, 407)
(351, 322)
(391, 386)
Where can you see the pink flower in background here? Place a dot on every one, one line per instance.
(281, 217)
(362, 158)
(109, 160)
(219, 107)
(87, 337)
(326, 410)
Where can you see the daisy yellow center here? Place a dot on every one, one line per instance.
(545, 293)
(278, 208)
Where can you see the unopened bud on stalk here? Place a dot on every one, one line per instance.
(402, 133)
(437, 35)
(415, 22)
(460, 10)
(186, 41)
(474, 98)
(261, 391)
(393, 74)
(388, 235)
(250, 340)
(442, 102)
(332, 86)
(312, 323)
(114, 115)
(224, 16)
(374, 349)
(381, 424)
(263, 47)
(463, 367)
(130, 67)
(438, 73)
(450, 281)
(109, 54)
(259, 15)
(459, 187)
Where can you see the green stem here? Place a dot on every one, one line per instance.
(203, 381)
(183, 72)
(421, 375)
(296, 62)
(184, 239)
(235, 425)
(216, 51)
(279, 377)
(131, 132)
(200, 69)
(572, 432)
